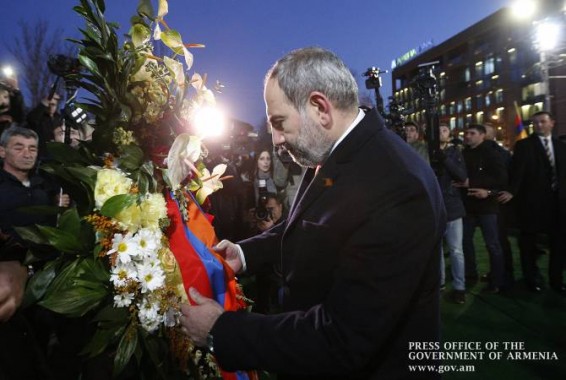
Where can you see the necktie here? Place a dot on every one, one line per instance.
(554, 178)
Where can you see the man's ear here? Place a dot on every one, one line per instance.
(322, 108)
(2, 152)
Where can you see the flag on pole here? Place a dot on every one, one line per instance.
(520, 132)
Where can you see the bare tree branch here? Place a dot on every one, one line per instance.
(32, 48)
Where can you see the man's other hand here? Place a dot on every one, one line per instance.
(13, 278)
(231, 254)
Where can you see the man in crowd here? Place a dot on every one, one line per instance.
(413, 133)
(19, 187)
(12, 107)
(356, 291)
(44, 120)
(538, 185)
(453, 170)
(486, 176)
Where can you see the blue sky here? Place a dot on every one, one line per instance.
(244, 37)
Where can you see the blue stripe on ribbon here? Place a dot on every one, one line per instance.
(213, 266)
(241, 375)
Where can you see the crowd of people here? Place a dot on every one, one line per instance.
(325, 235)
(487, 186)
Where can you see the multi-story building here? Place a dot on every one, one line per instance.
(488, 72)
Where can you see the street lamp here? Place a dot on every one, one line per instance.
(546, 39)
(523, 9)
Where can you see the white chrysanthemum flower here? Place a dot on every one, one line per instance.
(149, 316)
(149, 242)
(110, 182)
(151, 276)
(125, 246)
(121, 273)
(123, 299)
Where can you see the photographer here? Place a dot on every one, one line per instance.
(270, 214)
(260, 182)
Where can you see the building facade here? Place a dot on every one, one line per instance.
(489, 73)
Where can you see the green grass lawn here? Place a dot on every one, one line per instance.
(536, 320)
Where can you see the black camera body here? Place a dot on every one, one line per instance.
(63, 66)
(261, 211)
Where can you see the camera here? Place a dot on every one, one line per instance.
(262, 213)
(63, 66)
(374, 80)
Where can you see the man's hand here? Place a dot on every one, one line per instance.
(13, 278)
(478, 193)
(504, 196)
(230, 252)
(197, 320)
(63, 200)
(264, 225)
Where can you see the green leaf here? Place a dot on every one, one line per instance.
(84, 174)
(103, 337)
(38, 284)
(126, 348)
(62, 240)
(32, 234)
(89, 64)
(117, 203)
(145, 8)
(131, 157)
(140, 34)
(111, 314)
(173, 40)
(65, 154)
(77, 301)
(77, 289)
(70, 221)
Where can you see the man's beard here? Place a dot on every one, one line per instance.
(312, 146)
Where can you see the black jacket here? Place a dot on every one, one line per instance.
(15, 197)
(454, 171)
(530, 183)
(486, 170)
(359, 256)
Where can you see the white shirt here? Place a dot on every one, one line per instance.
(361, 115)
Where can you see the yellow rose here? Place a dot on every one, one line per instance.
(110, 182)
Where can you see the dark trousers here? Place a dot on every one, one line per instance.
(489, 229)
(530, 252)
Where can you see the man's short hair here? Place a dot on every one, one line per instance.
(15, 130)
(303, 71)
(478, 127)
(275, 196)
(542, 113)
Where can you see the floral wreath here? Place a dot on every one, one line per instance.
(137, 237)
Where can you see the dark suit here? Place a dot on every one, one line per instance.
(360, 261)
(539, 208)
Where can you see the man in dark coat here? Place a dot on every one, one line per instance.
(487, 175)
(359, 253)
(538, 186)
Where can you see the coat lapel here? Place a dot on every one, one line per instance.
(313, 186)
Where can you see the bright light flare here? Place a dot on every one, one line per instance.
(209, 122)
(523, 9)
(547, 35)
(8, 71)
